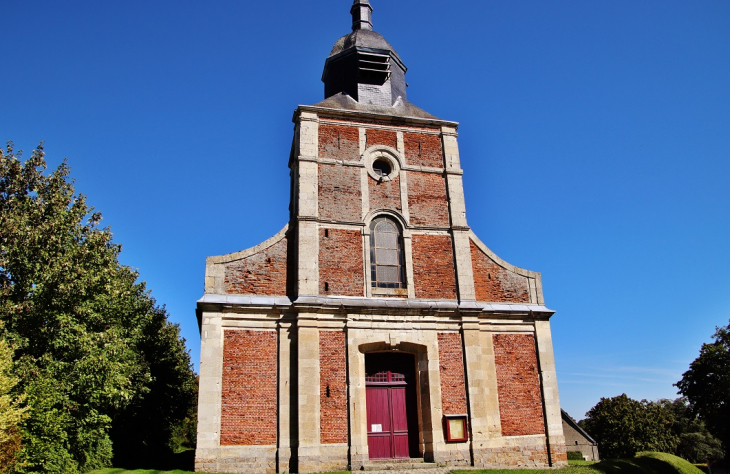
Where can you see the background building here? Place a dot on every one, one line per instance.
(576, 439)
(375, 325)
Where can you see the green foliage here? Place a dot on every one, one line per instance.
(575, 456)
(92, 347)
(623, 426)
(706, 385)
(696, 443)
(12, 413)
(160, 420)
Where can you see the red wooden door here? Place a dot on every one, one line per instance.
(379, 434)
(387, 399)
(387, 422)
(399, 423)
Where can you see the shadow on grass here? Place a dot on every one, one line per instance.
(184, 461)
(644, 463)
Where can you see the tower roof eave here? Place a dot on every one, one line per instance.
(402, 110)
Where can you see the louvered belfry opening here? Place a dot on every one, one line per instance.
(373, 68)
(386, 254)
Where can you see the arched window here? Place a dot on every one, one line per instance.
(386, 254)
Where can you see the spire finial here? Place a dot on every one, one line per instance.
(362, 15)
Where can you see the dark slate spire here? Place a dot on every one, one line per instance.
(362, 15)
(363, 65)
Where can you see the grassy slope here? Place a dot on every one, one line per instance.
(644, 463)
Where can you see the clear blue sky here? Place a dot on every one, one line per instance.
(595, 140)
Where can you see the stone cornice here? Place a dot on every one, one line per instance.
(314, 304)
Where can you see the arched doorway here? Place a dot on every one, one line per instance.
(392, 405)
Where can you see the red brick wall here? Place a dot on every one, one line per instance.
(427, 202)
(263, 273)
(248, 404)
(385, 195)
(339, 193)
(339, 142)
(340, 262)
(433, 266)
(494, 283)
(423, 150)
(381, 137)
(332, 387)
(451, 368)
(518, 385)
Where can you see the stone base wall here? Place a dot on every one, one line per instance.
(520, 452)
(238, 460)
(323, 459)
(558, 451)
(453, 455)
(258, 459)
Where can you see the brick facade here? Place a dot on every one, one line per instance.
(264, 273)
(518, 385)
(494, 283)
(427, 200)
(423, 150)
(248, 402)
(451, 369)
(339, 142)
(332, 387)
(340, 262)
(385, 194)
(339, 197)
(433, 266)
(376, 136)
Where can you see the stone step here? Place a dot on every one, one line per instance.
(397, 465)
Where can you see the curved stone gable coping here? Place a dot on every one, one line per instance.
(231, 257)
(500, 262)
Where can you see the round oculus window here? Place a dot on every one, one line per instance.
(382, 167)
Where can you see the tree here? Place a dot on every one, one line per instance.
(11, 411)
(696, 443)
(623, 426)
(91, 343)
(707, 386)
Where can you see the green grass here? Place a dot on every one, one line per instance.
(643, 463)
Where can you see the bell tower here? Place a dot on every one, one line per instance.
(363, 65)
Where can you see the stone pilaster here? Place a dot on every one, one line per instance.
(476, 382)
(357, 404)
(457, 211)
(284, 451)
(308, 208)
(308, 449)
(551, 399)
(209, 395)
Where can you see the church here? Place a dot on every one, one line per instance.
(375, 329)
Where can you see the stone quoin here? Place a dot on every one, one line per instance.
(376, 325)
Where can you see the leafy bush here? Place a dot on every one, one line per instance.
(623, 426)
(575, 456)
